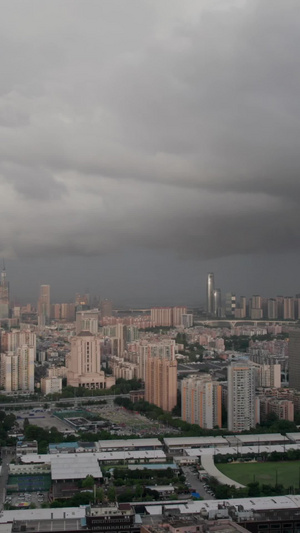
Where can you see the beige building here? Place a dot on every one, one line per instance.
(51, 385)
(294, 359)
(161, 379)
(162, 316)
(201, 401)
(17, 369)
(87, 321)
(84, 363)
(269, 375)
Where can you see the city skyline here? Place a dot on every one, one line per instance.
(138, 152)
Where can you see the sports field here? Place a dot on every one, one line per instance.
(287, 472)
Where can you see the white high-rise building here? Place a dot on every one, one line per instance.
(243, 406)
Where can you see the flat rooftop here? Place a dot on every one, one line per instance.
(195, 441)
(128, 443)
(67, 467)
(76, 458)
(233, 440)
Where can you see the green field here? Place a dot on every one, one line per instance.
(288, 472)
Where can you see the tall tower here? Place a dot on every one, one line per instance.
(294, 359)
(4, 295)
(210, 293)
(217, 303)
(243, 409)
(44, 303)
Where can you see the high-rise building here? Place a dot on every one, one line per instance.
(243, 406)
(256, 311)
(230, 304)
(217, 304)
(87, 321)
(17, 369)
(288, 308)
(161, 316)
(161, 376)
(294, 359)
(4, 295)
(279, 300)
(210, 287)
(68, 311)
(84, 363)
(187, 320)
(272, 309)
(177, 313)
(201, 401)
(82, 301)
(106, 308)
(44, 307)
(269, 375)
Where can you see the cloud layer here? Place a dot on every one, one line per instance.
(149, 124)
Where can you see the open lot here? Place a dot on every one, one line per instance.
(286, 472)
(44, 420)
(131, 422)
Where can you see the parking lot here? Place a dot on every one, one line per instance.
(193, 482)
(43, 419)
(24, 499)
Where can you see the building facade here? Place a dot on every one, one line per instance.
(243, 406)
(201, 401)
(84, 363)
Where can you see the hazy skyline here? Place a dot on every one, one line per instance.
(146, 143)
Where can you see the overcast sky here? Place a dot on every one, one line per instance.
(144, 143)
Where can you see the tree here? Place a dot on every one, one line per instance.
(88, 482)
(111, 493)
(138, 491)
(100, 495)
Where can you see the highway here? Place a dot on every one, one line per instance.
(75, 401)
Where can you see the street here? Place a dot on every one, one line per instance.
(6, 459)
(195, 483)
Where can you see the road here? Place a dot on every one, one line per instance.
(75, 401)
(192, 478)
(6, 459)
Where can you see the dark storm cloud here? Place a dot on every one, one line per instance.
(149, 124)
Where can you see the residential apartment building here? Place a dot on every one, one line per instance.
(243, 406)
(17, 369)
(201, 401)
(161, 376)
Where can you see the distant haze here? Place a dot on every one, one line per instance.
(145, 143)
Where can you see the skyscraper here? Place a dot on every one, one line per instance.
(210, 293)
(243, 407)
(44, 303)
(217, 303)
(4, 295)
(201, 401)
(294, 359)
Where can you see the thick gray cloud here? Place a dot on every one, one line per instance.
(166, 126)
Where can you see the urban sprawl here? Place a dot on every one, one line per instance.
(168, 419)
